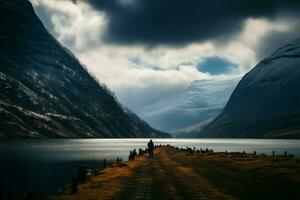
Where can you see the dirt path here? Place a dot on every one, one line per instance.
(164, 178)
(174, 174)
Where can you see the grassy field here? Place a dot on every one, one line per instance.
(179, 174)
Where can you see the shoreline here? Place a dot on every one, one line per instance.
(241, 168)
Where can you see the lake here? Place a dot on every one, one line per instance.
(49, 164)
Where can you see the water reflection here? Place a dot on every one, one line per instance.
(50, 164)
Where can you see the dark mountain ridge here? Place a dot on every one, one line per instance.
(46, 92)
(266, 102)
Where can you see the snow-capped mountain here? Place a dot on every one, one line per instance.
(198, 102)
(266, 102)
(46, 92)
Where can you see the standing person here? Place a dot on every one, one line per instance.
(150, 148)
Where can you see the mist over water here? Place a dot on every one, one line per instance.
(49, 164)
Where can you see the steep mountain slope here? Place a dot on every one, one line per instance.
(266, 102)
(46, 92)
(198, 102)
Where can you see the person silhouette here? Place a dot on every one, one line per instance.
(150, 148)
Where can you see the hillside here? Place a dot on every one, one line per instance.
(200, 101)
(266, 102)
(46, 92)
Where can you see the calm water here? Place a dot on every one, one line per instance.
(50, 164)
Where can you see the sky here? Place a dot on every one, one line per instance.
(145, 50)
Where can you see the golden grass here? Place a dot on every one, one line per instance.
(175, 174)
(105, 185)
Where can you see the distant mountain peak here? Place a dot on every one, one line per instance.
(266, 102)
(201, 100)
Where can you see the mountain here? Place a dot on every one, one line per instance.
(198, 102)
(191, 131)
(46, 92)
(266, 102)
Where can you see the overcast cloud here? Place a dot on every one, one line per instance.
(147, 49)
(174, 22)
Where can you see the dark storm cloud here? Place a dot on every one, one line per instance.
(272, 42)
(174, 22)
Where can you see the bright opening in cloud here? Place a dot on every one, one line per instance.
(140, 73)
(216, 66)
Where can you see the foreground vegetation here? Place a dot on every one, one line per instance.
(187, 174)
